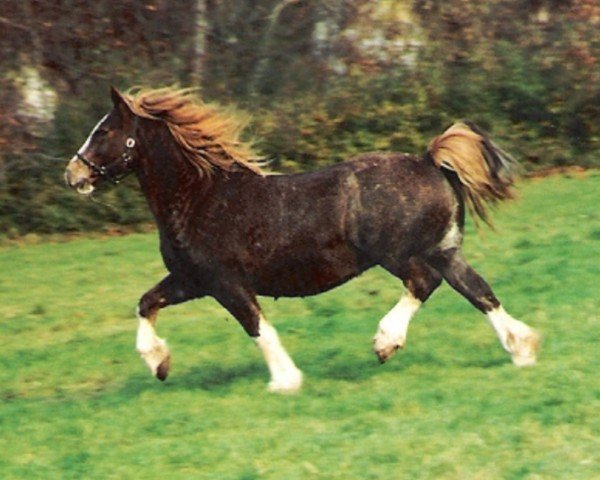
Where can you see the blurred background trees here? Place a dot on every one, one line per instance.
(322, 79)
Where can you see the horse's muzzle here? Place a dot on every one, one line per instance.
(79, 177)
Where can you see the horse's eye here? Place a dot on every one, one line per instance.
(102, 131)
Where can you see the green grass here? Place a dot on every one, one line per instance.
(77, 402)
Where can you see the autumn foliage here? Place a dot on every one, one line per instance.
(322, 80)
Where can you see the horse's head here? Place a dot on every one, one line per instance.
(109, 153)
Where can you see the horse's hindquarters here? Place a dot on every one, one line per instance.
(399, 209)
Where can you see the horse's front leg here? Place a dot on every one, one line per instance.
(242, 304)
(150, 346)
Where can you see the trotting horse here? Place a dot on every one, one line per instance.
(232, 232)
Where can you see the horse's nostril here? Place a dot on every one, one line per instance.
(74, 182)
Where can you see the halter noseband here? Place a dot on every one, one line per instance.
(104, 171)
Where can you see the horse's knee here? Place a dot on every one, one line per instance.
(148, 305)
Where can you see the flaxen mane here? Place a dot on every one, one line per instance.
(208, 136)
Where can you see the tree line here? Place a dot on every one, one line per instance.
(321, 79)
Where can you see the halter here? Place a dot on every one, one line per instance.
(124, 160)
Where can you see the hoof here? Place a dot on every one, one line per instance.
(162, 371)
(283, 389)
(157, 358)
(523, 361)
(524, 349)
(286, 386)
(384, 354)
(385, 345)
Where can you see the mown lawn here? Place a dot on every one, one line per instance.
(77, 402)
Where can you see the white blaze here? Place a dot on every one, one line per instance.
(86, 144)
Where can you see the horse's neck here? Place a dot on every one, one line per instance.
(169, 182)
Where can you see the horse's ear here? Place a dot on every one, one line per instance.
(116, 96)
(119, 101)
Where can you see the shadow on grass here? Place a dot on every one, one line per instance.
(484, 362)
(329, 365)
(404, 361)
(346, 366)
(221, 379)
(209, 377)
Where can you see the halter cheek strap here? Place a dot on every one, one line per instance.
(124, 160)
(104, 171)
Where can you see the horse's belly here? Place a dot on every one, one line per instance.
(302, 275)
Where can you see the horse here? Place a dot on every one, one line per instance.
(229, 230)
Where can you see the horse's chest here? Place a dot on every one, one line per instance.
(178, 258)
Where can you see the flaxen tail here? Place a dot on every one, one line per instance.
(485, 171)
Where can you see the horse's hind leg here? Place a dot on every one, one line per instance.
(151, 347)
(420, 281)
(518, 339)
(285, 376)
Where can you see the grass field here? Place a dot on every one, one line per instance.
(77, 402)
